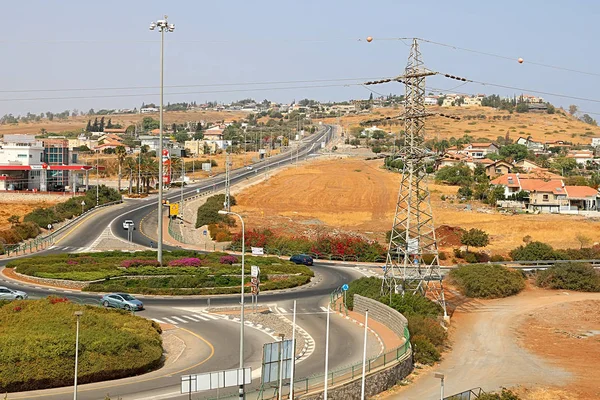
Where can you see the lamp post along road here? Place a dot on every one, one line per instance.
(77, 314)
(224, 212)
(162, 26)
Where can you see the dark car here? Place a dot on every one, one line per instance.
(302, 259)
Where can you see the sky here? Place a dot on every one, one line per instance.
(107, 45)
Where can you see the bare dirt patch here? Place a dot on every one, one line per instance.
(568, 335)
(356, 195)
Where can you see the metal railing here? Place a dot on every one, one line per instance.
(466, 395)
(338, 377)
(41, 242)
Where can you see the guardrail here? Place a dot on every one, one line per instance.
(45, 241)
(466, 395)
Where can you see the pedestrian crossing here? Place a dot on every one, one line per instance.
(186, 319)
(69, 249)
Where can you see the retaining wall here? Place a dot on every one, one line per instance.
(381, 313)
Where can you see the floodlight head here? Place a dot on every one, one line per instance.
(152, 26)
(439, 375)
(222, 212)
(161, 22)
(171, 27)
(78, 313)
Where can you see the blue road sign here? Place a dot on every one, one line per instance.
(345, 287)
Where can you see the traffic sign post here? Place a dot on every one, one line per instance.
(345, 289)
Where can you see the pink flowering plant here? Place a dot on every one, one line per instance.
(139, 263)
(187, 262)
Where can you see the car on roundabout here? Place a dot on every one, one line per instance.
(11, 294)
(123, 301)
(302, 259)
(128, 224)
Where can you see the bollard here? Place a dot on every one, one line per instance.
(208, 302)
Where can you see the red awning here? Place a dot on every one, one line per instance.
(48, 167)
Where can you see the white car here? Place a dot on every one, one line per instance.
(249, 167)
(10, 294)
(128, 224)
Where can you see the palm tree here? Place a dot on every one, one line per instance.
(121, 154)
(131, 165)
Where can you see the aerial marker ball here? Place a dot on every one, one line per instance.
(520, 61)
(369, 39)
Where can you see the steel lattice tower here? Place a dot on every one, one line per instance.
(412, 263)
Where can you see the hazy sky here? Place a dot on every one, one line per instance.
(70, 44)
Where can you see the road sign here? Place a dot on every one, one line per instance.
(258, 251)
(345, 287)
(254, 271)
(274, 355)
(204, 233)
(215, 380)
(173, 209)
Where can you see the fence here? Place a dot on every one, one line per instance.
(467, 395)
(45, 241)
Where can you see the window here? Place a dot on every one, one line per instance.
(21, 155)
(545, 197)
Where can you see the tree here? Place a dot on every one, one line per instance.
(14, 219)
(551, 109)
(440, 100)
(583, 240)
(198, 135)
(121, 154)
(588, 120)
(88, 127)
(514, 151)
(459, 174)
(573, 109)
(475, 238)
(522, 108)
(101, 127)
(181, 137)
(564, 165)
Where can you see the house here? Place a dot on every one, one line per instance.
(148, 110)
(194, 147)
(531, 144)
(431, 100)
(475, 150)
(526, 98)
(120, 131)
(596, 142)
(548, 196)
(537, 108)
(581, 156)
(214, 133)
(557, 143)
(497, 168)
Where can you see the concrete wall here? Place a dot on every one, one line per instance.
(381, 313)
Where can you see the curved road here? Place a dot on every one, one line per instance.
(345, 342)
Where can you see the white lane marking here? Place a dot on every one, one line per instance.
(173, 322)
(211, 316)
(281, 310)
(191, 318)
(157, 320)
(179, 319)
(322, 308)
(203, 318)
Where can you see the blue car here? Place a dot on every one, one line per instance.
(122, 300)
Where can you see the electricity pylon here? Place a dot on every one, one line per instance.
(412, 263)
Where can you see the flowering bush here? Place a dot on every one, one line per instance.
(187, 262)
(139, 263)
(54, 299)
(72, 262)
(17, 309)
(228, 260)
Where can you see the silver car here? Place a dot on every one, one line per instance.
(122, 300)
(10, 294)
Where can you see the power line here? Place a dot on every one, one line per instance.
(186, 86)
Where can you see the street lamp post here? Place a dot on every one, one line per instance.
(77, 314)
(82, 206)
(223, 212)
(441, 378)
(163, 26)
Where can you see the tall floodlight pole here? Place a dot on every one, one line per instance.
(412, 262)
(97, 178)
(163, 26)
(78, 314)
(224, 212)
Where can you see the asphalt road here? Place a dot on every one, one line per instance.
(345, 342)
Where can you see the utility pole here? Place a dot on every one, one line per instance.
(227, 190)
(413, 233)
(97, 179)
(181, 205)
(139, 170)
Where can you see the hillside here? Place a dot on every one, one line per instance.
(541, 127)
(78, 123)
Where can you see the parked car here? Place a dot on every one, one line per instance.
(122, 300)
(10, 294)
(249, 167)
(128, 224)
(302, 259)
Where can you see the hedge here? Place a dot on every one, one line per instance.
(208, 212)
(487, 281)
(570, 276)
(38, 344)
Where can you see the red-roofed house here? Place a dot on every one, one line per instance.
(581, 156)
(549, 196)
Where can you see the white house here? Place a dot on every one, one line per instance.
(596, 142)
(21, 150)
(581, 156)
(431, 100)
(147, 110)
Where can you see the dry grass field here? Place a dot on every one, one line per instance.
(541, 127)
(22, 207)
(78, 123)
(358, 196)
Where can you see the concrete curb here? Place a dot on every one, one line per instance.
(381, 345)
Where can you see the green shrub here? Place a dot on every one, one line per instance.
(504, 395)
(471, 258)
(419, 325)
(533, 251)
(38, 339)
(487, 281)
(208, 212)
(497, 258)
(570, 276)
(424, 351)
(413, 304)
(367, 287)
(442, 255)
